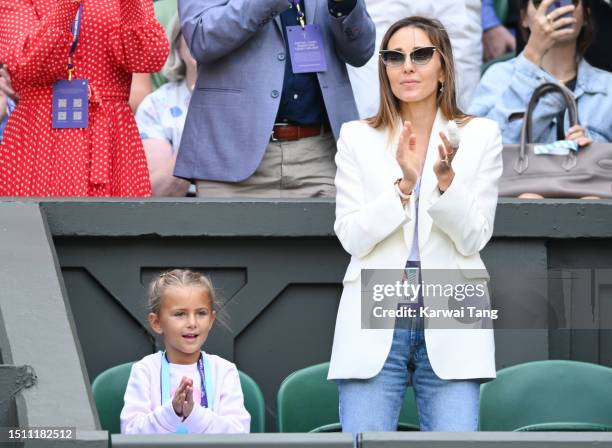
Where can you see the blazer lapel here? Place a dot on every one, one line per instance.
(279, 24)
(429, 181)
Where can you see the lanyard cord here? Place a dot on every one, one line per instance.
(76, 30)
(205, 380)
(300, 13)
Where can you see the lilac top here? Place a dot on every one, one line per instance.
(143, 412)
(414, 250)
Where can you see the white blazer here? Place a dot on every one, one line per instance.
(377, 231)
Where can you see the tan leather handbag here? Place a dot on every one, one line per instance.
(585, 173)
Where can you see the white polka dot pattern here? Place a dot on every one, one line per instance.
(118, 38)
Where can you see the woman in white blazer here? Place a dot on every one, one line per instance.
(409, 196)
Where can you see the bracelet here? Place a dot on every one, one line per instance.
(399, 191)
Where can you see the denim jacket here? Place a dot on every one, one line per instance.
(506, 88)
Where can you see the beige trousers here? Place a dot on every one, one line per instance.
(302, 168)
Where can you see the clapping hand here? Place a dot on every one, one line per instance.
(443, 166)
(409, 159)
(183, 398)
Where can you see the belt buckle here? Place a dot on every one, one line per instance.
(272, 138)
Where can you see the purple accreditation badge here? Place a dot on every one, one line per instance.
(69, 104)
(306, 49)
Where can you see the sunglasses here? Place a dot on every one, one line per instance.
(556, 4)
(396, 58)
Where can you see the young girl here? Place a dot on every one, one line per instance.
(183, 389)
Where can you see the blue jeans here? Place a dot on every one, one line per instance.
(374, 404)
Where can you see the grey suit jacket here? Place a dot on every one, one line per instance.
(241, 56)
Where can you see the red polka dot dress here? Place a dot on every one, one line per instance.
(118, 37)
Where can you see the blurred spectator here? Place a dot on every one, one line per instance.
(496, 38)
(140, 88)
(256, 126)
(145, 83)
(161, 116)
(552, 54)
(462, 22)
(600, 54)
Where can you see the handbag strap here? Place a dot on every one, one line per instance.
(527, 130)
(549, 87)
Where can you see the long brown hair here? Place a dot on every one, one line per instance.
(389, 111)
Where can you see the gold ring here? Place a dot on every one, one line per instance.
(550, 19)
(445, 160)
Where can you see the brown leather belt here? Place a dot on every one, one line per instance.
(290, 132)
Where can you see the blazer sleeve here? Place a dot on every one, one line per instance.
(361, 225)
(354, 35)
(466, 210)
(215, 28)
(35, 49)
(140, 44)
(138, 415)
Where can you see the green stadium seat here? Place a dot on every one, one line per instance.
(501, 9)
(552, 395)
(502, 58)
(308, 402)
(109, 388)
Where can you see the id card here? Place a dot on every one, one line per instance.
(306, 49)
(69, 104)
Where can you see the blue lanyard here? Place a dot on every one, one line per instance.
(75, 29)
(300, 13)
(205, 380)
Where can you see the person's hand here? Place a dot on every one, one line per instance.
(180, 396)
(497, 41)
(578, 134)
(546, 29)
(188, 404)
(443, 167)
(6, 86)
(410, 161)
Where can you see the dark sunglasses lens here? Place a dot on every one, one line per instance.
(393, 58)
(536, 3)
(422, 55)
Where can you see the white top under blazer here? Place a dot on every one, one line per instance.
(374, 227)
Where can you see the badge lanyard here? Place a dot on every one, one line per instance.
(306, 45)
(70, 97)
(76, 31)
(206, 385)
(300, 13)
